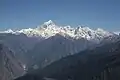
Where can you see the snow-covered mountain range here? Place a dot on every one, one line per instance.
(49, 29)
(118, 33)
(49, 42)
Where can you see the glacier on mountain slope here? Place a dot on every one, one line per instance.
(118, 33)
(49, 29)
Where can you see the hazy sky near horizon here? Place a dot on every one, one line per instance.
(30, 13)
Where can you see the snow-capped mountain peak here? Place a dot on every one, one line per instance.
(49, 29)
(9, 31)
(118, 33)
(47, 25)
(50, 22)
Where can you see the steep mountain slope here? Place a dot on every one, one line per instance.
(20, 44)
(85, 65)
(55, 48)
(49, 42)
(65, 40)
(48, 39)
(101, 63)
(58, 46)
(10, 66)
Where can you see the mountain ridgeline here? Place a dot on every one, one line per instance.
(101, 63)
(55, 48)
(49, 42)
(58, 52)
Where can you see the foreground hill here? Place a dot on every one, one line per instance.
(101, 63)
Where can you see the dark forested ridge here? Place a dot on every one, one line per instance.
(101, 63)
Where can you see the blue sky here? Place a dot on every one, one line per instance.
(30, 13)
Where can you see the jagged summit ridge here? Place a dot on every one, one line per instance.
(50, 22)
(49, 29)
